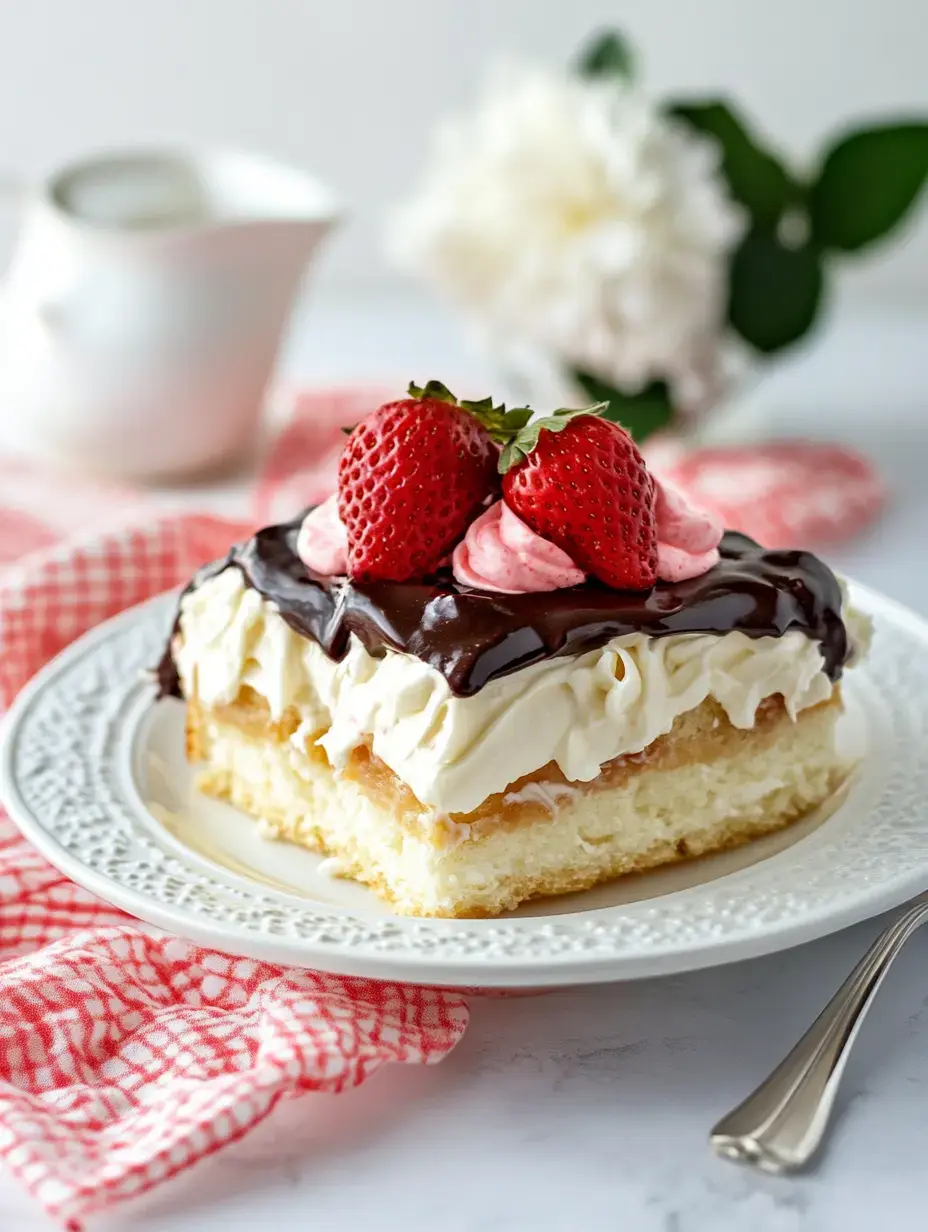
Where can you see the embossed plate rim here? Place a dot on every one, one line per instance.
(634, 940)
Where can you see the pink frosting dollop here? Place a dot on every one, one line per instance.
(322, 542)
(687, 538)
(499, 552)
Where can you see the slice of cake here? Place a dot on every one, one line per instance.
(595, 682)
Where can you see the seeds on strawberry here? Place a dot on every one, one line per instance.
(410, 480)
(583, 485)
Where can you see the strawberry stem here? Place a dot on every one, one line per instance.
(516, 430)
(521, 444)
(432, 389)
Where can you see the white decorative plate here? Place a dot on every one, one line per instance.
(93, 772)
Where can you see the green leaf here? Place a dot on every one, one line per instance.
(517, 418)
(510, 455)
(517, 447)
(480, 406)
(607, 55)
(640, 414)
(868, 183)
(756, 179)
(775, 291)
(433, 389)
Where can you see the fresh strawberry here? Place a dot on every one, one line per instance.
(412, 477)
(580, 482)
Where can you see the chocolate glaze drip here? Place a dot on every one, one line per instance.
(473, 636)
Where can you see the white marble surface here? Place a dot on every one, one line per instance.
(590, 1108)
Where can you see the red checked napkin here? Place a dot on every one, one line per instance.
(784, 494)
(126, 1058)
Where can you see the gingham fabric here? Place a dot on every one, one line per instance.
(126, 1058)
(785, 494)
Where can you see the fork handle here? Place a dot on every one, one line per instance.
(780, 1126)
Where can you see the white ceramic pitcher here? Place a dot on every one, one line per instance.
(144, 305)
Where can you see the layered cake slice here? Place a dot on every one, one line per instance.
(504, 661)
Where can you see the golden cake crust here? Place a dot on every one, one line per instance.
(521, 843)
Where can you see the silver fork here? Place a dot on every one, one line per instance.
(781, 1125)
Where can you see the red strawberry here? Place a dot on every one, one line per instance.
(580, 482)
(411, 478)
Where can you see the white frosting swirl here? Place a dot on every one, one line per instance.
(453, 752)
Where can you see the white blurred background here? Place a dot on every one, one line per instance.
(351, 89)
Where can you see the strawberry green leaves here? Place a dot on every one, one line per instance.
(432, 389)
(516, 431)
(521, 443)
(501, 424)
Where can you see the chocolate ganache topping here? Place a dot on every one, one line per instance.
(473, 636)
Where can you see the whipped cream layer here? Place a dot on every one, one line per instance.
(453, 752)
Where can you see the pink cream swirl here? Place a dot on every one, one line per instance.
(322, 542)
(499, 552)
(687, 538)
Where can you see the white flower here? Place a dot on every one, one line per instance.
(569, 216)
